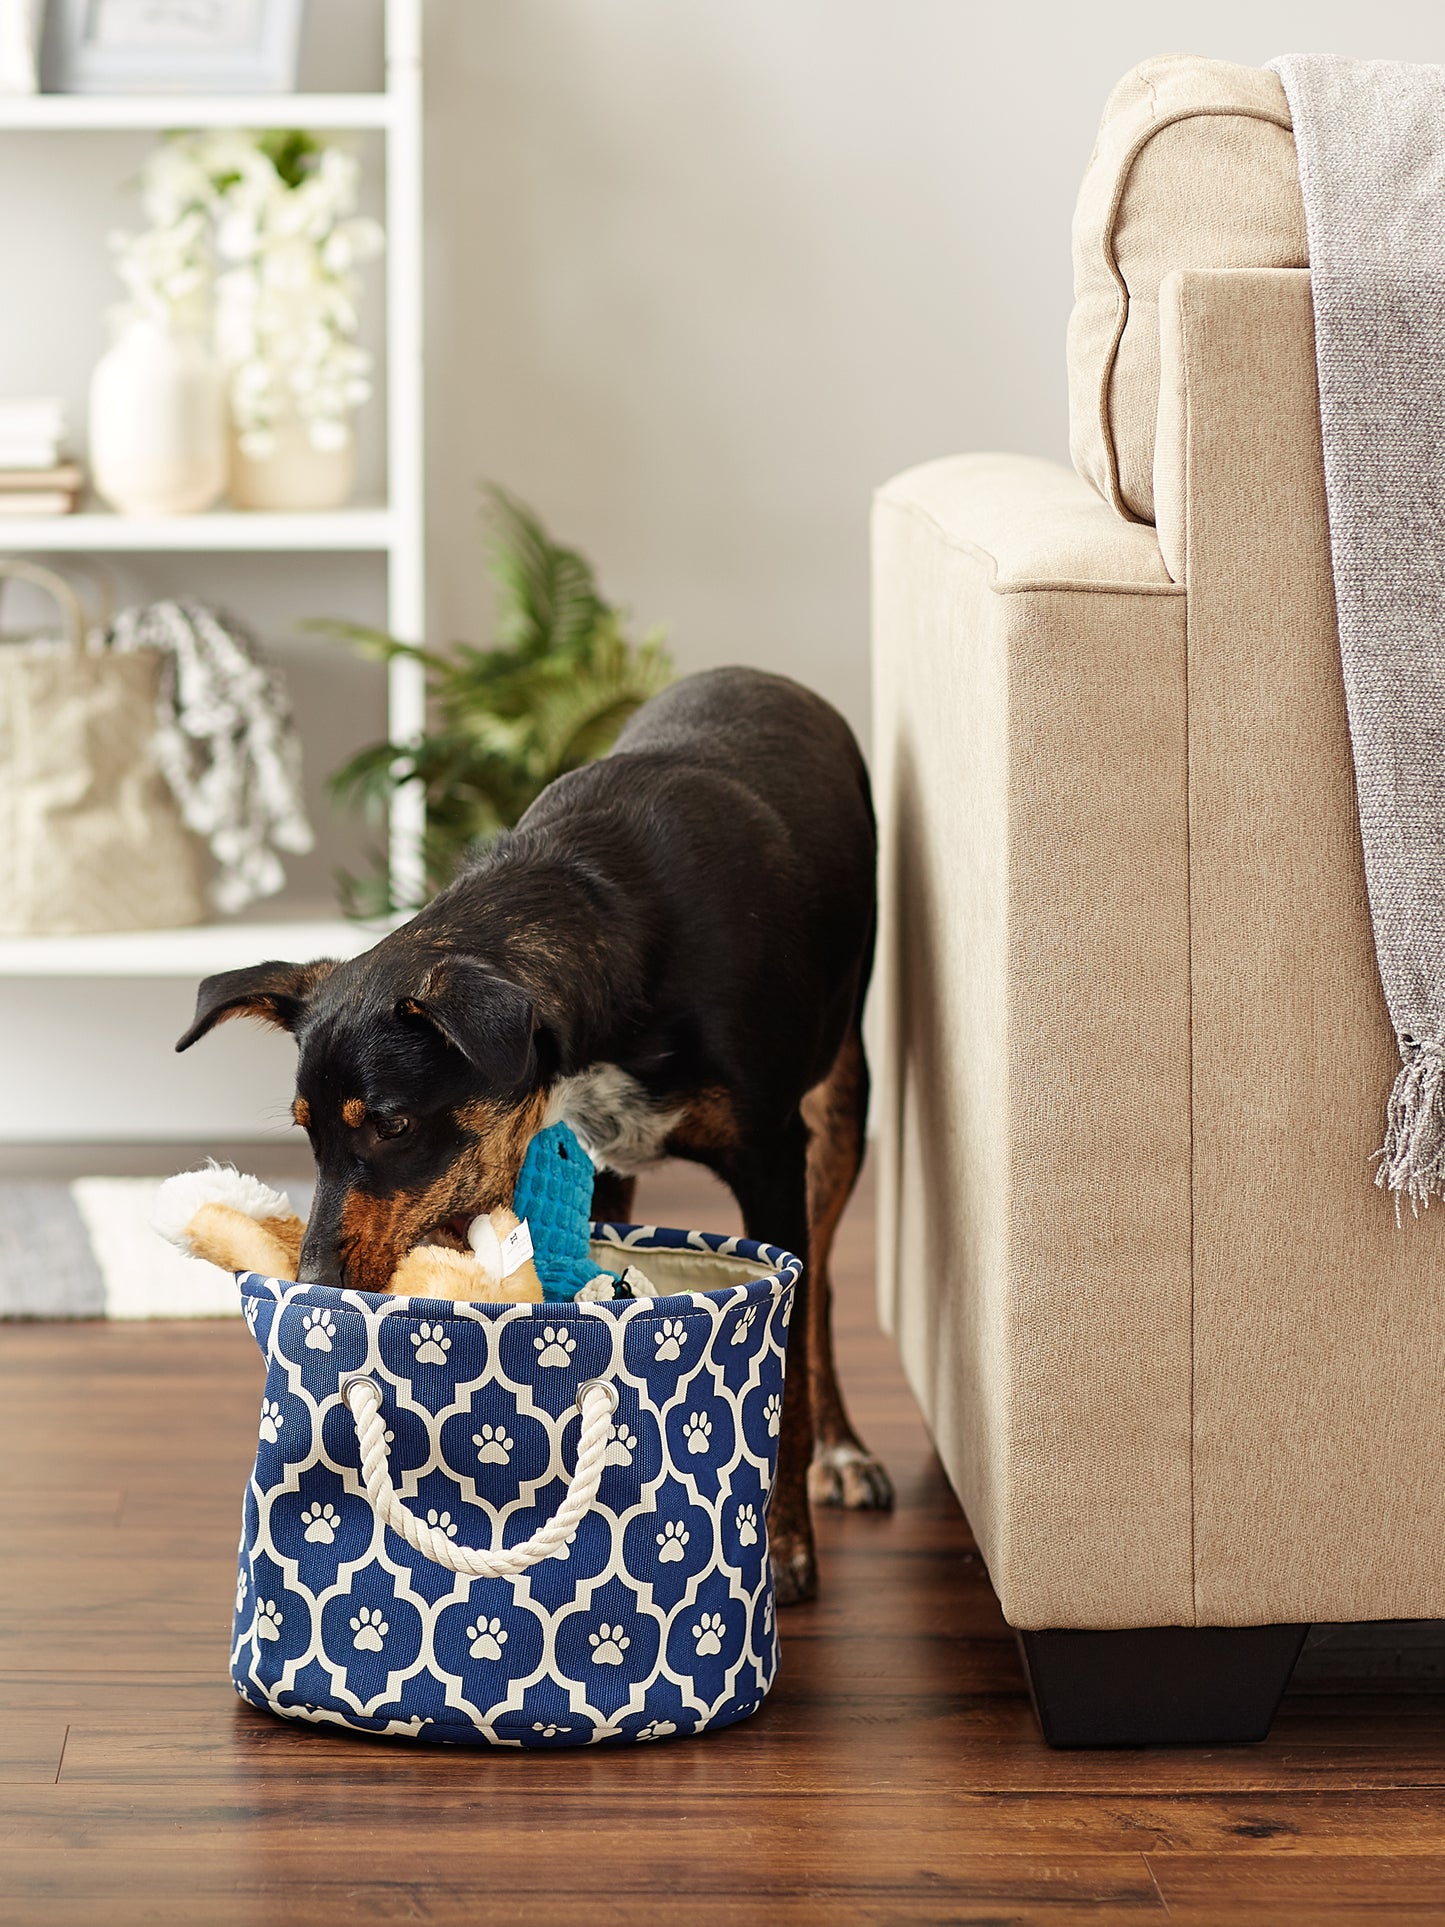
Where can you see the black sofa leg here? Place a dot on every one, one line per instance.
(1161, 1685)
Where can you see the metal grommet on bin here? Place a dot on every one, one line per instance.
(600, 1385)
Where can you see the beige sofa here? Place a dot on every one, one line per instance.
(1183, 1367)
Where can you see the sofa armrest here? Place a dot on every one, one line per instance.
(1029, 525)
(1033, 1110)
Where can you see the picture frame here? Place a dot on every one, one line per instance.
(171, 46)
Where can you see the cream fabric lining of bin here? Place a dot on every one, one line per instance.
(680, 1271)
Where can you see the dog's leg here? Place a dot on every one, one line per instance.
(770, 1184)
(612, 1198)
(843, 1472)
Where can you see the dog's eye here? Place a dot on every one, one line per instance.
(391, 1127)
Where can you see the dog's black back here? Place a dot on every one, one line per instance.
(727, 845)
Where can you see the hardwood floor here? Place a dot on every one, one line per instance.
(894, 1775)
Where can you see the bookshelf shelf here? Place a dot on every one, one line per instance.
(193, 952)
(97, 532)
(111, 113)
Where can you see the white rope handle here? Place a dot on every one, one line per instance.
(596, 1401)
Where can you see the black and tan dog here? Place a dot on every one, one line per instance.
(670, 952)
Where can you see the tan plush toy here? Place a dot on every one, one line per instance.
(235, 1221)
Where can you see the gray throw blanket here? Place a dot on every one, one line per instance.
(1371, 142)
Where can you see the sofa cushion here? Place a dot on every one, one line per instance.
(1194, 167)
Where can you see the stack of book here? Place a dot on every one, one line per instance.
(34, 479)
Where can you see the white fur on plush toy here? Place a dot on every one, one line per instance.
(486, 1245)
(181, 1197)
(500, 1252)
(230, 1220)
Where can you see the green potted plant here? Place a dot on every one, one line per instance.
(551, 693)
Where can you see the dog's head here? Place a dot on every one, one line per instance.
(420, 1084)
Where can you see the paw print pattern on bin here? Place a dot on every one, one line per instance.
(320, 1522)
(555, 1346)
(670, 1338)
(494, 1445)
(369, 1629)
(608, 1645)
(432, 1344)
(708, 1634)
(320, 1329)
(487, 1637)
(672, 1542)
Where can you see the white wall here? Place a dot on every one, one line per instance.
(704, 272)
(700, 274)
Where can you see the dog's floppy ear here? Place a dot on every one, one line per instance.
(274, 992)
(488, 1018)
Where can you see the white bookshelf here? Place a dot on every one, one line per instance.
(393, 530)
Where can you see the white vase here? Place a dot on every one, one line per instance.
(158, 422)
(296, 474)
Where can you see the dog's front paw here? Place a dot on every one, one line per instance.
(851, 1477)
(795, 1569)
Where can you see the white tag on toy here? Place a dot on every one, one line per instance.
(516, 1249)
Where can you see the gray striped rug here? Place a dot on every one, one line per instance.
(86, 1250)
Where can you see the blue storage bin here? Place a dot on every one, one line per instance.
(519, 1525)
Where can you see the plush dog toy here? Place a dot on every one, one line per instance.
(234, 1221)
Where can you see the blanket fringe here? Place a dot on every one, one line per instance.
(1412, 1158)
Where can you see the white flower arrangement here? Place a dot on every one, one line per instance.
(255, 236)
